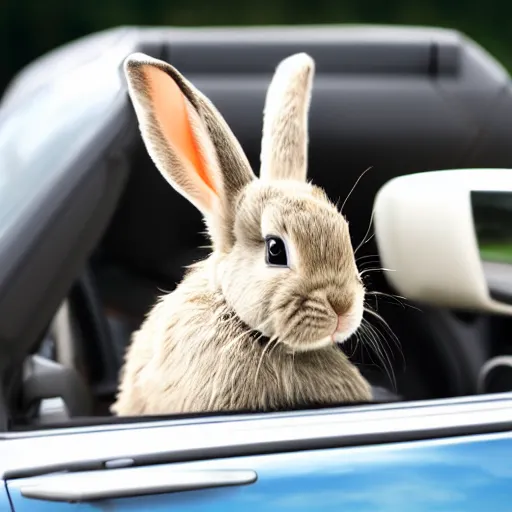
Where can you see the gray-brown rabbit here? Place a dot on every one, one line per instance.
(255, 325)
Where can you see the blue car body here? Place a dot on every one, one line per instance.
(428, 465)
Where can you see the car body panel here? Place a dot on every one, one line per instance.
(217, 436)
(5, 503)
(456, 474)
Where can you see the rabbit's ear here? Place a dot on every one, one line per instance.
(186, 137)
(284, 148)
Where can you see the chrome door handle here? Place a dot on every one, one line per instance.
(129, 482)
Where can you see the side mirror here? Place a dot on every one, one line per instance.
(446, 238)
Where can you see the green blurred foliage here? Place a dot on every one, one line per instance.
(29, 28)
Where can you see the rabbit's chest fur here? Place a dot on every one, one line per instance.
(192, 354)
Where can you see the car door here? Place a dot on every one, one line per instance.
(5, 504)
(445, 456)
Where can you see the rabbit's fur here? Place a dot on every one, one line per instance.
(237, 333)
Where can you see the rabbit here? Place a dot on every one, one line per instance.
(256, 324)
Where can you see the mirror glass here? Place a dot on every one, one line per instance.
(492, 216)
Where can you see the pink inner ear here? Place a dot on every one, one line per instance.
(170, 112)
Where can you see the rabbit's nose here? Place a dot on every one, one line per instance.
(340, 307)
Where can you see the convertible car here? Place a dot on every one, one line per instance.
(91, 235)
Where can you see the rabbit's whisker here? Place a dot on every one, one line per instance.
(386, 326)
(374, 340)
(395, 298)
(353, 188)
(375, 258)
(386, 352)
(366, 256)
(367, 340)
(166, 292)
(366, 239)
(356, 338)
(383, 340)
(365, 264)
(377, 269)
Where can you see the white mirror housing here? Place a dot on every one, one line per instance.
(446, 237)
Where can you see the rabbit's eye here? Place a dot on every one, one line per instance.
(276, 252)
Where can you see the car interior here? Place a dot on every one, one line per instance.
(91, 234)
